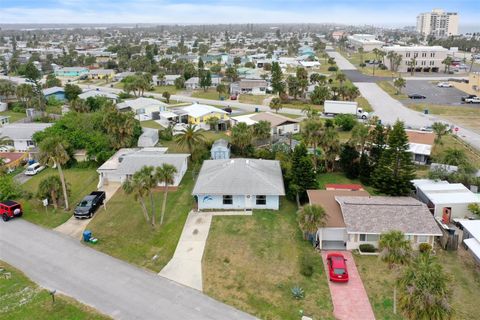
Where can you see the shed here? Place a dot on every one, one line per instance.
(220, 149)
(149, 138)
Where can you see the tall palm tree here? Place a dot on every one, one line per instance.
(136, 186)
(448, 61)
(341, 77)
(440, 130)
(150, 181)
(360, 134)
(412, 64)
(7, 88)
(276, 104)
(394, 248)
(79, 105)
(310, 218)
(50, 187)
(53, 152)
(190, 137)
(165, 174)
(312, 131)
(361, 51)
(241, 137)
(5, 140)
(376, 52)
(262, 130)
(399, 83)
(330, 145)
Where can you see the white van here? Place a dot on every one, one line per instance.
(33, 169)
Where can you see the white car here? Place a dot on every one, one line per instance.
(473, 100)
(444, 85)
(33, 169)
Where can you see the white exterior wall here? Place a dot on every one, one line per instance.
(21, 145)
(425, 57)
(354, 242)
(288, 128)
(240, 202)
(459, 210)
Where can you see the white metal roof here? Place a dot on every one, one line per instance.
(472, 226)
(199, 110)
(474, 246)
(419, 148)
(441, 193)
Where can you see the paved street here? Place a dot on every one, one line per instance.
(113, 287)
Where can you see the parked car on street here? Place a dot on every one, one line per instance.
(33, 169)
(87, 207)
(444, 85)
(470, 96)
(10, 209)
(416, 96)
(337, 267)
(473, 100)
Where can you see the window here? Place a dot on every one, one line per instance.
(408, 237)
(30, 143)
(261, 200)
(422, 239)
(228, 199)
(368, 237)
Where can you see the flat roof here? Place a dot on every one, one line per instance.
(472, 226)
(474, 246)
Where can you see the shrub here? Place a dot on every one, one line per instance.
(345, 121)
(307, 266)
(424, 247)
(17, 107)
(332, 68)
(298, 293)
(363, 65)
(367, 247)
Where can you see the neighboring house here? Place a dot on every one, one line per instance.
(445, 200)
(149, 138)
(125, 162)
(97, 93)
(239, 184)
(244, 86)
(354, 217)
(194, 82)
(71, 72)
(168, 80)
(306, 51)
(57, 92)
(280, 125)
(4, 120)
(199, 114)
(122, 75)
(420, 145)
(144, 108)
(21, 134)
(220, 150)
(98, 74)
(471, 237)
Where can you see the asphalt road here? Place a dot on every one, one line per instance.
(113, 287)
(434, 94)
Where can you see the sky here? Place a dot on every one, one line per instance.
(375, 12)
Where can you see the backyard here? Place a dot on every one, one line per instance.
(253, 262)
(23, 299)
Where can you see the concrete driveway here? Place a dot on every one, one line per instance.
(434, 94)
(350, 300)
(113, 287)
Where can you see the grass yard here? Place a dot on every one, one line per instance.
(23, 299)
(151, 124)
(298, 104)
(162, 89)
(251, 99)
(210, 94)
(451, 141)
(388, 87)
(364, 104)
(123, 232)
(355, 59)
(339, 178)
(174, 147)
(81, 182)
(465, 282)
(14, 116)
(252, 262)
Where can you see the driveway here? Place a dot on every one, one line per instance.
(350, 300)
(434, 94)
(113, 287)
(185, 267)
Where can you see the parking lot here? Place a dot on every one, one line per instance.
(434, 94)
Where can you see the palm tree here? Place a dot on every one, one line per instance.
(376, 52)
(213, 123)
(148, 177)
(50, 187)
(399, 83)
(394, 248)
(7, 88)
(79, 105)
(166, 175)
(276, 104)
(360, 134)
(241, 137)
(330, 145)
(424, 290)
(341, 77)
(136, 186)
(53, 152)
(448, 61)
(311, 217)
(312, 131)
(221, 89)
(361, 51)
(5, 141)
(310, 111)
(412, 64)
(440, 130)
(190, 137)
(262, 130)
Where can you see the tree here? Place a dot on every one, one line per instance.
(149, 180)
(277, 79)
(32, 73)
(262, 130)
(395, 169)
(213, 123)
(179, 83)
(448, 61)
(312, 130)
(310, 218)
(413, 65)
(231, 74)
(302, 174)
(345, 121)
(293, 86)
(440, 130)
(241, 137)
(205, 80)
(399, 83)
(221, 89)
(330, 145)
(302, 80)
(341, 77)
(166, 95)
(360, 135)
(25, 94)
(7, 88)
(349, 161)
(72, 91)
(52, 81)
(191, 137)
(79, 105)
(376, 53)
(136, 187)
(123, 129)
(394, 248)
(50, 188)
(424, 290)
(275, 104)
(53, 152)
(361, 52)
(454, 157)
(320, 94)
(165, 174)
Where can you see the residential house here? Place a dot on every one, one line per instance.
(194, 82)
(420, 145)
(199, 114)
(71, 72)
(220, 150)
(21, 134)
(471, 237)
(57, 92)
(249, 86)
(144, 108)
(97, 93)
(309, 64)
(168, 80)
(239, 184)
(148, 138)
(280, 125)
(125, 162)
(101, 74)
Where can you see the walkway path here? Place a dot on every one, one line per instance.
(113, 287)
(350, 300)
(185, 267)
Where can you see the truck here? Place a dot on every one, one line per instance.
(332, 107)
(86, 208)
(10, 209)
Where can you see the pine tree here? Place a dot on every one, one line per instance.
(395, 169)
(365, 170)
(302, 174)
(277, 78)
(349, 161)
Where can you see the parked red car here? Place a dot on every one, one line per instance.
(337, 267)
(233, 97)
(10, 209)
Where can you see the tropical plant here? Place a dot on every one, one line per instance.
(399, 83)
(150, 181)
(72, 91)
(297, 293)
(50, 188)
(136, 187)
(221, 89)
(79, 105)
(122, 127)
(394, 248)
(165, 174)
(320, 94)
(440, 130)
(7, 88)
(311, 217)
(241, 137)
(166, 95)
(191, 137)
(262, 130)
(213, 123)
(448, 61)
(276, 104)
(454, 157)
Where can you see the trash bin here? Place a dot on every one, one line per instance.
(222, 98)
(87, 234)
(425, 111)
(256, 109)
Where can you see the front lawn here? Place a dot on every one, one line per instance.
(81, 182)
(123, 232)
(252, 99)
(151, 124)
(162, 89)
(14, 116)
(23, 299)
(388, 87)
(252, 262)
(210, 94)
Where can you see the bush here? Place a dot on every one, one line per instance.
(124, 95)
(298, 293)
(362, 65)
(424, 247)
(367, 247)
(345, 121)
(307, 266)
(332, 68)
(17, 107)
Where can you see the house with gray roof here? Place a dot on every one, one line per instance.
(239, 184)
(21, 134)
(125, 162)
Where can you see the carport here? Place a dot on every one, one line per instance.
(332, 238)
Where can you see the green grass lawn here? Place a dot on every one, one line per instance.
(465, 282)
(81, 182)
(364, 104)
(252, 262)
(298, 104)
(162, 89)
(388, 87)
(339, 178)
(251, 99)
(14, 116)
(451, 141)
(210, 94)
(123, 232)
(151, 124)
(23, 299)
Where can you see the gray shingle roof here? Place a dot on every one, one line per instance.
(22, 131)
(383, 214)
(240, 177)
(134, 162)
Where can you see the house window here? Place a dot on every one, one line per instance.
(408, 237)
(261, 200)
(369, 237)
(422, 239)
(228, 199)
(30, 143)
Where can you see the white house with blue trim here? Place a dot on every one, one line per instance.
(239, 184)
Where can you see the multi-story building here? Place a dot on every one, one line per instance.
(366, 41)
(424, 58)
(438, 23)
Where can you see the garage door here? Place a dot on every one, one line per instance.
(333, 234)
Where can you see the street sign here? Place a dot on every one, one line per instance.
(456, 129)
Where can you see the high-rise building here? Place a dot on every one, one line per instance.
(438, 23)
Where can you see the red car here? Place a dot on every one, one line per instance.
(337, 267)
(10, 209)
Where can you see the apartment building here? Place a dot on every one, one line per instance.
(426, 58)
(438, 23)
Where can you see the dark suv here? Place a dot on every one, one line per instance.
(10, 209)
